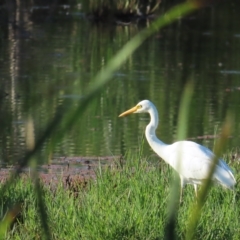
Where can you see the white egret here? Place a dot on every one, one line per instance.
(191, 160)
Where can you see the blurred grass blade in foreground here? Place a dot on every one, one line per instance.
(175, 194)
(195, 213)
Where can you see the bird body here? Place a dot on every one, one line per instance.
(191, 160)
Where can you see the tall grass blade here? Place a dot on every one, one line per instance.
(42, 210)
(181, 134)
(8, 219)
(195, 212)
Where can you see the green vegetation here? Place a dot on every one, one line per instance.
(128, 202)
(125, 202)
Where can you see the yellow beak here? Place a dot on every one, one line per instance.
(132, 110)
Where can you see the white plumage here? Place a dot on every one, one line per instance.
(191, 160)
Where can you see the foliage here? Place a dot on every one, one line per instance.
(125, 202)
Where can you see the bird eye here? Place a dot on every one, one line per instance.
(139, 106)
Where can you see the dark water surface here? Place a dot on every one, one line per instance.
(48, 64)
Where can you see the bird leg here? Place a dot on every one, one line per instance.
(196, 192)
(195, 188)
(181, 193)
(182, 186)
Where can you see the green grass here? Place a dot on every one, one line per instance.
(128, 202)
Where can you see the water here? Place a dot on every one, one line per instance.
(48, 64)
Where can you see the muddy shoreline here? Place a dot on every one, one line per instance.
(73, 172)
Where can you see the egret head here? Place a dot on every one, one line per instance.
(141, 107)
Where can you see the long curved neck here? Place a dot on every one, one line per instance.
(157, 145)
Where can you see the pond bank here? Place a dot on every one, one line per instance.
(71, 171)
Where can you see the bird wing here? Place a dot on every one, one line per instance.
(193, 161)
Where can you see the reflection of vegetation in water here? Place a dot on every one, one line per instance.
(49, 76)
(103, 9)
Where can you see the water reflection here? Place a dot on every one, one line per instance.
(51, 67)
(230, 72)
